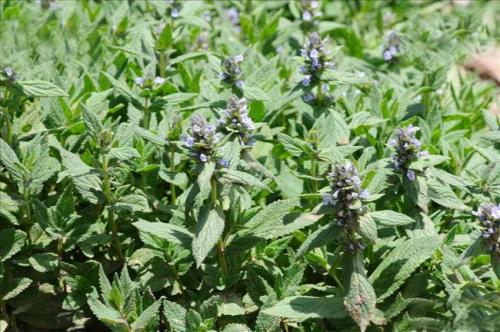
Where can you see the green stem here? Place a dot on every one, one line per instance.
(147, 114)
(320, 93)
(221, 248)
(109, 200)
(162, 64)
(173, 194)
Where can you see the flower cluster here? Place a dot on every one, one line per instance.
(234, 17)
(310, 10)
(232, 72)
(201, 139)
(175, 8)
(407, 150)
(316, 59)
(9, 74)
(235, 119)
(346, 194)
(489, 216)
(148, 82)
(391, 46)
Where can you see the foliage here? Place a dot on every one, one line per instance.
(247, 166)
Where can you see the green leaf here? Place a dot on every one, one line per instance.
(368, 228)
(12, 288)
(92, 123)
(400, 263)
(204, 179)
(255, 93)
(236, 328)
(38, 88)
(322, 236)
(443, 195)
(179, 98)
(242, 178)
(209, 228)
(131, 203)
(9, 159)
(294, 145)
(11, 242)
(8, 207)
(305, 307)
(123, 153)
(172, 233)
(147, 317)
(360, 300)
(176, 316)
(391, 218)
(332, 130)
(271, 215)
(107, 315)
(84, 177)
(165, 39)
(44, 262)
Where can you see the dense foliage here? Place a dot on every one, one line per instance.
(247, 166)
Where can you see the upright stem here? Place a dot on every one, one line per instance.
(162, 64)
(173, 195)
(221, 248)
(320, 93)
(147, 114)
(109, 200)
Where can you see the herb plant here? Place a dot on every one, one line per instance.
(248, 165)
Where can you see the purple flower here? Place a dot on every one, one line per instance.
(309, 97)
(410, 174)
(175, 12)
(306, 80)
(239, 84)
(159, 80)
(238, 58)
(306, 16)
(495, 212)
(189, 141)
(203, 157)
(387, 55)
(139, 81)
(8, 71)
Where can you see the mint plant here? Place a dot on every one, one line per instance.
(235, 166)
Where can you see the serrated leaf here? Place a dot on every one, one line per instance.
(360, 300)
(443, 195)
(9, 159)
(84, 177)
(322, 236)
(92, 123)
(172, 233)
(12, 288)
(148, 316)
(11, 242)
(44, 262)
(391, 218)
(176, 316)
(242, 178)
(37, 88)
(131, 203)
(107, 315)
(124, 153)
(236, 328)
(368, 228)
(209, 228)
(305, 307)
(400, 263)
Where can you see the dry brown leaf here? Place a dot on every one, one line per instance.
(487, 65)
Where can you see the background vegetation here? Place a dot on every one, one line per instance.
(248, 166)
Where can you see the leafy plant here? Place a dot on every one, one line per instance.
(247, 166)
